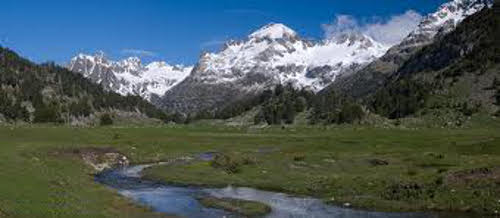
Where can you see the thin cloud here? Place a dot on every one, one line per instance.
(138, 52)
(390, 31)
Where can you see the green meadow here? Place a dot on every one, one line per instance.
(386, 169)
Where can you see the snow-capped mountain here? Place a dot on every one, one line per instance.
(444, 20)
(274, 54)
(434, 25)
(129, 76)
(278, 53)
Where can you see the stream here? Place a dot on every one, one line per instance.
(182, 201)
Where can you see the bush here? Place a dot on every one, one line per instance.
(351, 113)
(47, 114)
(299, 157)
(226, 163)
(106, 120)
(404, 191)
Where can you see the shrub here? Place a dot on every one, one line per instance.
(47, 114)
(248, 160)
(299, 157)
(106, 120)
(404, 191)
(226, 163)
(351, 113)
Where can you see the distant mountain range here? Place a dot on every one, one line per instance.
(129, 76)
(275, 54)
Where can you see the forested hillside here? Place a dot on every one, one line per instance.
(458, 72)
(49, 93)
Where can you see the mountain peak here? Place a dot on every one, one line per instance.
(444, 20)
(131, 61)
(274, 31)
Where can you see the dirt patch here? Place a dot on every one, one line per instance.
(98, 158)
(467, 176)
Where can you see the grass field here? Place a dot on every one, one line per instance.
(384, 169)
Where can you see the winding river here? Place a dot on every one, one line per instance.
(182, 201)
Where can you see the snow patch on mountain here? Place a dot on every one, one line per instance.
(274, 31)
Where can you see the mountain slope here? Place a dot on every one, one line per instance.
(459, 72)
(272, 55)
(434, 26)
(129, 76)
(48, 93)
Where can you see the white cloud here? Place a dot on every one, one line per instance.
(389, 31)
(138, 52)
(342, 23)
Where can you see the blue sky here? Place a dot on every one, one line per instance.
(176, 31)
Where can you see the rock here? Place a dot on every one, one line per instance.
(378, 162)
(102, 158)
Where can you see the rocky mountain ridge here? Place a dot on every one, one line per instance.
(129, 76)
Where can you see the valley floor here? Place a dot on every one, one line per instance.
(372, 168)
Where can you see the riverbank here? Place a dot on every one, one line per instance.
(383, 169)
(373, 169)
